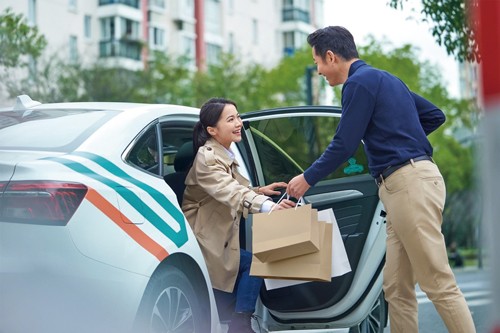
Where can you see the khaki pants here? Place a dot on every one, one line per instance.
(414, 198)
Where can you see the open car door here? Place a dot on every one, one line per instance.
(279, 144)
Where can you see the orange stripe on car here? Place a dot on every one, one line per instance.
(131, 229)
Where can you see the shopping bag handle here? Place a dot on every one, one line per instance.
(300, 202)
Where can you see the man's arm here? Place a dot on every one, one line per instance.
(431, 117)
(357, 109)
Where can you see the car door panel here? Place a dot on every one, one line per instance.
(350, 192)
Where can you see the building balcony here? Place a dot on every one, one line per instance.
(131, 3)
(130, 49)
(296, 14)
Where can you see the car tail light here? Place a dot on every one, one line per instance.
(40, 202)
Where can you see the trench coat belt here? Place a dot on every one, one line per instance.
(391, 169)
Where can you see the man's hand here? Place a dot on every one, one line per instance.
(297, 186)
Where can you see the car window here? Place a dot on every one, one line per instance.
(287, 146)
(175, 138)
(53, 130)
(145, 152)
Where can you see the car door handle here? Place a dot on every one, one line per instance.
(333, 197)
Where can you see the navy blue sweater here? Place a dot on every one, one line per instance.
(379, 109)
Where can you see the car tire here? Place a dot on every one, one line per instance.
(170, 304)
(376, 320)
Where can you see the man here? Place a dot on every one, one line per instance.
(393, 122)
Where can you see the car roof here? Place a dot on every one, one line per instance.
(24, 102)
(113, 106)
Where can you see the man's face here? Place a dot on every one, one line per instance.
(328, 67)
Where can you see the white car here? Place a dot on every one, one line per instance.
(92, 238)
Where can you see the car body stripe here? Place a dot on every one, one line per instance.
(126, 225)
(179, 238)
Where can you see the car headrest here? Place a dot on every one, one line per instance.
(184, 157)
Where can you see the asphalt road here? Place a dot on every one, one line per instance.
(475, 286)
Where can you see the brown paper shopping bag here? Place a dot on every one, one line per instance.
(340, 261)
(315, 266)
(285, 233)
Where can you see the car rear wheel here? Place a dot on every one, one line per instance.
(376, 320)
(170, 305)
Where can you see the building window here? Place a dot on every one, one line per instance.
(87, 28)
(296, 10)
(73, 49)
(131, 3)
(156, 38)
(72, 5)
(129, 28)
(213, 54)
(231, 43)
(288, 43)
(213, 20)
(107, 28)
(293, 40)
(157, 3)
(189, 50)
(126, 44)
(255, 31)
(186, 8)
(32, 12)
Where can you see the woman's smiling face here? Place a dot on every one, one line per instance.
(228, 128)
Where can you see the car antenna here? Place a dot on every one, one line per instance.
(24, 102)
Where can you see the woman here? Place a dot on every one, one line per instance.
(215, 198)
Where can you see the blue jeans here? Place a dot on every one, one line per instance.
(247, 287)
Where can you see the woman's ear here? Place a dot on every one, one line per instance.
(211, 130)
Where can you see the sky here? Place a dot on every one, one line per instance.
(364, 17)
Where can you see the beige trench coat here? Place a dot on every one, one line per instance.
(213, 204)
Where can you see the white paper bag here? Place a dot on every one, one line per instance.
(340, 262)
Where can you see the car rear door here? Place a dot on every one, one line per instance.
(280, 144)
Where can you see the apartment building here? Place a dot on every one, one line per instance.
(125, 32)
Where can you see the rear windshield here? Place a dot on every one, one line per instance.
(52, 130)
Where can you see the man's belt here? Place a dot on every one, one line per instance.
(391, 169)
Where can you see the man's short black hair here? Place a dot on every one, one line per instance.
(336, 39)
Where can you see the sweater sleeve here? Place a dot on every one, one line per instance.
(357, 108)
(431, 117)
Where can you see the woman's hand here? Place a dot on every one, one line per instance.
(270, 189)
(284, 204)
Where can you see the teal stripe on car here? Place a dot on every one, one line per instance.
(179, 238)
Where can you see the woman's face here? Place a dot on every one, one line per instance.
(228, 127)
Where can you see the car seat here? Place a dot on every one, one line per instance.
(182, 162)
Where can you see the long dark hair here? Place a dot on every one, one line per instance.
(210, 113)
(334, 38)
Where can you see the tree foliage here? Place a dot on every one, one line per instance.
(231, 79)
(165, 80)
(17, 39)
(453, 25)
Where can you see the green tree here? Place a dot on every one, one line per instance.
(18, 39)
(287, 79)
(165, 80)
(52, 80)
(234, 80)
(453, 25)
